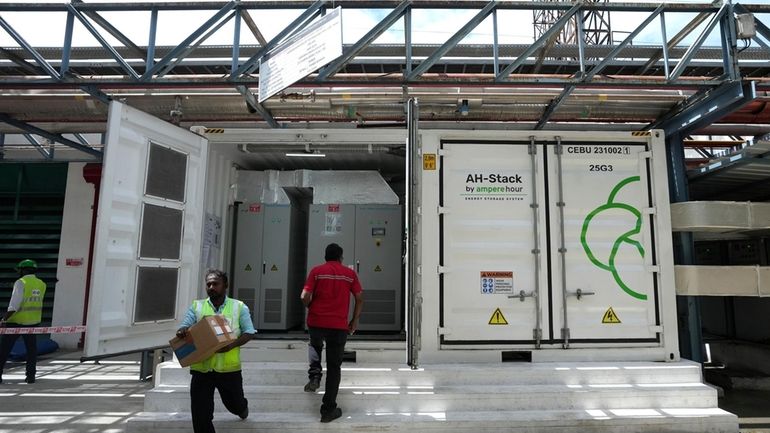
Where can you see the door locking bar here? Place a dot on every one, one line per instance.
(579, 293)
(522, 294)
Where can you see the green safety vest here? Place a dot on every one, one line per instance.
(220, 362)
(31, 308)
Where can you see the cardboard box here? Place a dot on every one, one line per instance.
(203, 340)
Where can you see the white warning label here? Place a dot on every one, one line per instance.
(496, 282)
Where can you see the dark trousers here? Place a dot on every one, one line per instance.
(202, 385)
(335, 347)
(30, 341)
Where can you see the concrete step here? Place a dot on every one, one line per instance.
(390, 374)
(648, 420)
(175, 398)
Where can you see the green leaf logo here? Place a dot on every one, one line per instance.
(625, 238)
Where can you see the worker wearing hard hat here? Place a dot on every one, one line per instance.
(25, 309)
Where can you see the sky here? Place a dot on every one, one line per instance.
(429, 27)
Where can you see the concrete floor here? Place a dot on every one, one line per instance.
(70, 397)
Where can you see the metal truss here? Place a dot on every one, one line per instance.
(589, 57)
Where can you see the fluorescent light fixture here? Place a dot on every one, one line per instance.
(306, 155)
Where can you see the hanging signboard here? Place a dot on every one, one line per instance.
(313, 47)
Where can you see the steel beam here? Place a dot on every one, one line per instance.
(729, 43)
(408, 42)
(151, 40)
(598, 68)
(125, 40)
(690, 53)
(189, 49)
(185, 43)
(20, 62)
(91, 29)
(38, 58)
(371, 4)
(362, 43)
(69, 27)
(253, 103)
(79, 137)
(449, 44)
(45, 134)
(555, 103)
(38, 146)
(686, 30)
(253, 27)
(236, 40)
(706, 107)
(557, 26)
(96, 93)
(253, 61)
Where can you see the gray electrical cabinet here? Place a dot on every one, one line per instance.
(370, 236)
(269, 263)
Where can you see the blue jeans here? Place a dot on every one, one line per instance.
(335, 347)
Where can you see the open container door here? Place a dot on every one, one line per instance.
(148, 234)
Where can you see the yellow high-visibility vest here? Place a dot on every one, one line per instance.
(31, 308)
(220, 362)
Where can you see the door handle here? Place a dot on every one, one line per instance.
(522, 294)
(579, 293)
(358, 266)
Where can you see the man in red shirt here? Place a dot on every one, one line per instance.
(327, 296)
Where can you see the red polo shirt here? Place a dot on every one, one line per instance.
(331, 285)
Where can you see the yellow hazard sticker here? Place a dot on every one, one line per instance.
(377, 268)
(610, 316)
(247, 268)
(274, 268)
(429, 161)
(497, 318)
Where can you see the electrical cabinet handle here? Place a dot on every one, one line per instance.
(358, 266)
(264, 264)
(522, 294)
(580, 293)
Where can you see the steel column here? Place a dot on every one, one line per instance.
(688, 307)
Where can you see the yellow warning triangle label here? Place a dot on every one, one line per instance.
(377, 268)
(274, 268)
(497, 318)
(610, 316)
(247, 268)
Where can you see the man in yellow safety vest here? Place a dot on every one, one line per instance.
(223, 370)
(25, 310)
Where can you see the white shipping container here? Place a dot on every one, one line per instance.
(556, 244)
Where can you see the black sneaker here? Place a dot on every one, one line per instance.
(30, 380)
(313, 384)
(331, 416)
(245, 413)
